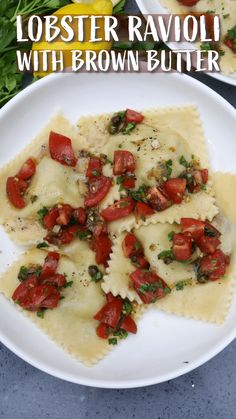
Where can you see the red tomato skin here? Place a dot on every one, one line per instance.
(123, 162)
(80, 215)
(14, 193)
(175, 189)
(110, 297)
(129, 325)
(129, 183)
(188, 3)
(27, 170)
(142, 210)
(68, 235)
(142, 262)
(61, 150)
(52, 300)
(214, 265)
(182, 246)
(204, 175)
(110, 313)
(141, 277)
(102, 247)
(22, 290)
(37, 295)
(100, 230)
(207, 244)
(56, 279)
(131, 246)
(50, 265)
(118, 210)
(98, 189)
(230, 43)
(65, 213)
(193, 227)
(94, 167)
(133, 116)
(102, 331)
(50, 219)
(157, 199)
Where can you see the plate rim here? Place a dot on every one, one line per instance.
(173, 46)
(129, 383)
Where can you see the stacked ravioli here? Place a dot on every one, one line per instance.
(163, 135)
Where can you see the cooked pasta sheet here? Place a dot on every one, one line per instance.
(165, 134)
(52, 183)
(226, 9)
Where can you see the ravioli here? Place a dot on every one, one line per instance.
(226, 9)
(52, 183)
(165, 134)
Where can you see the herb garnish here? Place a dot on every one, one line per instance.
(95, 274)
(168, 164)
(167, 256)
(171, 235)
(68, 284)
(41, 213)
(183, 162)
(42, 245)
(112, 341)
(139, 194)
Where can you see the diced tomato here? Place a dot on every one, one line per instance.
(110, 313)
(120, 209)
(188, 3)
(193, 227)
(142, 210)
(80, 215)
(94, 167)
(214, 265)
(175, 189)
(129, 325)
(65, 213)
(142, 262)
(50, 265)
(129, 182)
(211, 231)
(131, 245)
(23, 185)
(27, 170)
(52, 300)
(133, 116)
(204, 175)
(50, 219)
(22, 290)
(102, 247)
(123, 162)
(207, 244)
(61, 150)
(98, 189)
(110, 297)
(67, 235)
(102, 331)
(182, 246)
(39, 294)
(99, 230)
(229, 42)
(56, 279)
(149, 285)
(14, 192)
(157, 199)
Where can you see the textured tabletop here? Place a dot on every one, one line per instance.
(208, 392)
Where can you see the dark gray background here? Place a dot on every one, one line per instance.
(208, 392)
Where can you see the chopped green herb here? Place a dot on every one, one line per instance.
(121, 114)
(84, 235)
(95, 173)
(40, 313)
(183, 162)
(232, 34)
(23, 272)
(42, 245)
(122, 334)
(120, 145)
(137, 245)
(139, 194)
(112, 341)
(179, 286)
(120, 179)
(33, 198)
(203, 187)
(68, 284)
(127, 307)
(62, 297)
(147, 288)
(168, 164)
(167, 256)
(226, 15)
(41, 213)
(167, 290)
(128, 128)
(119, 8)
(171, 235)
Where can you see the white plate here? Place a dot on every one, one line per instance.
(154, 7)
(164, 342)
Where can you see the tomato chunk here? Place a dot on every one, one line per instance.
(129, 182)
(37, 297)
(123, 162)
(110, 297)
(142, 262)
(193, 227)
(52, 300)
(110, 313)
(133, 116)
(98, 189)
(182, 246)
(14, 192)
(131, 245)
(102, 247)
(80, 215)
(65, 213)
(204, 175)
(50, 219)
(208, 244)
(213, 266)
(149, 285)
(157, 199)
(120, 209)
(27, 170)
(61, 150)
(50, 265)
(142, 210)
(94, 167)
(22, 290)
(175, 189)
(102, 331)
(188, 3)
(129, 325)
(56, 279)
